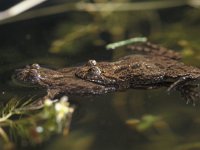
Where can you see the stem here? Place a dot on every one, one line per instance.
(126, 42)
(6, 117)
(97, 7)
(4, 135)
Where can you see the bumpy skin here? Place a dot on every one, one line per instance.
(155, 67)
(58, 82)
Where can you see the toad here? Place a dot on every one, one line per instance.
(153, 67)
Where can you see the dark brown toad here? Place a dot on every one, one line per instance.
(154, 68)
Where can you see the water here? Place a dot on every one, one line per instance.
(133, 119)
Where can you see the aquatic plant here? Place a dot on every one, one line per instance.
(24, 124)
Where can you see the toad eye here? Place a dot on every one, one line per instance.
(94, 71)
(35, 66)
(91, 63)
(33, 75)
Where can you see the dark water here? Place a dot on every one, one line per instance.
(133, 119)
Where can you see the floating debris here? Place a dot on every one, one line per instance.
(125, 42)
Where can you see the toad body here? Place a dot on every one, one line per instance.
(154, 67)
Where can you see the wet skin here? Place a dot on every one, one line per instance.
(58, 82)
(154, 68)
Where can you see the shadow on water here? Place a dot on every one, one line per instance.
(133, 119)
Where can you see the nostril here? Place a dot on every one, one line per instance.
(19, 75)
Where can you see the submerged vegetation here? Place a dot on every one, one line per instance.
(27, 124)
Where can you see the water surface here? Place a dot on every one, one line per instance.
(133, 119)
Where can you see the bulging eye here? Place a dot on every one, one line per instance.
(35, 66)
(91, 63)
(94, 71)
(33, 76)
